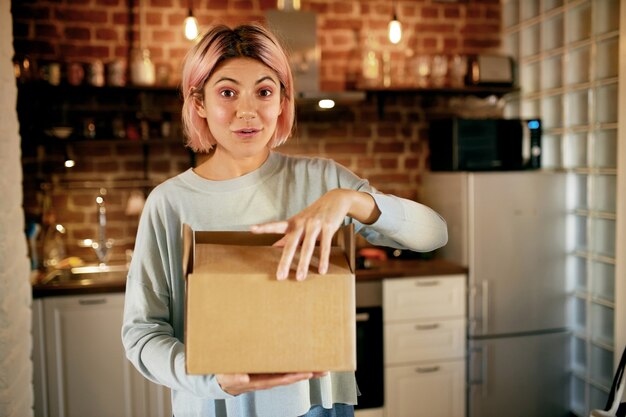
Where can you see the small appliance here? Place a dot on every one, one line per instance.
(458, 144)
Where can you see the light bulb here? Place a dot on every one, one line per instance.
(395, 30)
(326, 103)
(191, 27)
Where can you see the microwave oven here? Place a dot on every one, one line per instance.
(458, 144)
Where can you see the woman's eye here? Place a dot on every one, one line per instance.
(227, 93)
(265, 92)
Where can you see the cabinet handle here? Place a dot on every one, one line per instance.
(426, 326)
(421, 283)
(360, 317)
(427, 369)
(88, 302)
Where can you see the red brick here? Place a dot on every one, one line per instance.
(430, 12)
(163, 36)
(106, 34)
(346, 147)
(46, 31)
(336, 24)
(242, 5)
(110, 3)
(161, 3)
(80, 15)
(451, 12)
(160, 166)
(487, 29)
(388, 163)
(120, 18)
(343, 7)
(388, 147)
(363, 163)
(77, 33)
(154, 18)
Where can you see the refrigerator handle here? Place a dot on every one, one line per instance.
(483, 381)
(485, 306)
(485, 370)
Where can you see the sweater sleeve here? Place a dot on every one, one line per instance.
(147, 331)
(406, 224)
(403, 223)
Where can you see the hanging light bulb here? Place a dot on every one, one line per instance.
(395, 30)
(191, 25)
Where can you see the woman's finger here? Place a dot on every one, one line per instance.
(292, 239)
(325, 245)
(313, 228)
(273, 227)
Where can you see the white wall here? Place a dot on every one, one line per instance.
(16, 397)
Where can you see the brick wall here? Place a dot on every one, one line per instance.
(389, 149)
(16, 394)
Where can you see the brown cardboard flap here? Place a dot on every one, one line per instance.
(239, 259)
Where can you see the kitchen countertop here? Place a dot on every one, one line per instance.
(392, 268)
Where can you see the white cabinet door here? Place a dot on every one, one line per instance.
(424, 340)
(87, 371)
(423, 298)
(431, 389)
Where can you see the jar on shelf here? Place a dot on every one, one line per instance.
(141, 67)
(371, 70)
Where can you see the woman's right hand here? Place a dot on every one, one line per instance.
(235, 384)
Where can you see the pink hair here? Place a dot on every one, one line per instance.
(219, 44)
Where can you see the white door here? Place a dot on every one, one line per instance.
(88, 373)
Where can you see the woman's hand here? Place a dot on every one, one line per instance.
(318, 221)
(235, 384)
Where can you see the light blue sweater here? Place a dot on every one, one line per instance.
(153, 329)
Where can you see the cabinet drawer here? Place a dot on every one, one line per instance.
(436, 389)
(424, 340)
(417, 298)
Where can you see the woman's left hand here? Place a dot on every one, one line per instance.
(318, 221)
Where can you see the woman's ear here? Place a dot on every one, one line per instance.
(198, 104)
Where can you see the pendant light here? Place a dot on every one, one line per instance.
(395, 28)
(191, 24)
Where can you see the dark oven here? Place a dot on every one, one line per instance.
(369, 345)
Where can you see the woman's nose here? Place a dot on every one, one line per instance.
(246, 114)
(246, 108)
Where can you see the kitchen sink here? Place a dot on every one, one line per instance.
(86, 275)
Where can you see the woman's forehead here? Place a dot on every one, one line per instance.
(242, 69)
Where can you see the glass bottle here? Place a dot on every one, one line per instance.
(141, 67)
(371, 70)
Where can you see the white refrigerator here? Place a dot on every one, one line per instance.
(509, 229)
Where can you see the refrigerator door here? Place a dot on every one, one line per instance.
(519, 376)
(516, 251)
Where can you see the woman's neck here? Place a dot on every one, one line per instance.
(219, 166)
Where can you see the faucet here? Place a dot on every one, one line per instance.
(102, 245)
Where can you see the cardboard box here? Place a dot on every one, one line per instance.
(241, 319)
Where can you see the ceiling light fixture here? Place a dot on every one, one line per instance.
(395, 28)
(191, 24)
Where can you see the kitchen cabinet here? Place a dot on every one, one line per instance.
(424, 340)
(85, 371)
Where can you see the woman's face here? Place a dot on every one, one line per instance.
(242, 102)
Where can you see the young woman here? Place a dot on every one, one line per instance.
(238, 106)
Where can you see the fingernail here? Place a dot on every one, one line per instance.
(280, 275)
(323, 269)
(300, 276)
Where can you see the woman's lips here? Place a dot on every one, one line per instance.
(247, 132)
